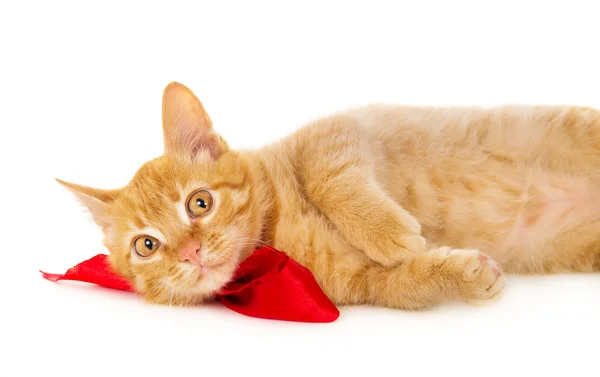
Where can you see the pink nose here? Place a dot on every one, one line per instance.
(191, 253)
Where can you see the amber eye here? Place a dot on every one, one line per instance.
(145, 246)
(200, 203)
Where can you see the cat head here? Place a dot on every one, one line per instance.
(178, 230)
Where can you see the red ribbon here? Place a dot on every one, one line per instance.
(268, 284)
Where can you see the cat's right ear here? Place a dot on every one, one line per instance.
(95, 200)
(187, 128)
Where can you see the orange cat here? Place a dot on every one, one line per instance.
(396, 206)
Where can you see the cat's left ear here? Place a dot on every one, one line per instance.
(95, 200)
(187, 128)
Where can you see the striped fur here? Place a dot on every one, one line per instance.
(395, 206)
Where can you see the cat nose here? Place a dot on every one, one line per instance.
(191, 253)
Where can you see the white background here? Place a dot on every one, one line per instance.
(80, 94)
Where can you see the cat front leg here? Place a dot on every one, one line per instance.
(442, 274)
(367, 217)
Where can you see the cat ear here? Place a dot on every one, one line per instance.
(96, 201)
(187, 128)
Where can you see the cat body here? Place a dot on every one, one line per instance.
(396, 206)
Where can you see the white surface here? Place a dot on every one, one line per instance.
(80, 91)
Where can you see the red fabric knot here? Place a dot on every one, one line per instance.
(268, 284)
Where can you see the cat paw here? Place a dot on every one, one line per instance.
(479, 279)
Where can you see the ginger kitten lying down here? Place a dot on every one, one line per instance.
(393, 206)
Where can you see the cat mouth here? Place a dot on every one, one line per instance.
(204, 270)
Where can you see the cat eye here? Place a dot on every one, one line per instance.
(200, 203)
(145, 246)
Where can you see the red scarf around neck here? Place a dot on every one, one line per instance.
(268, 284)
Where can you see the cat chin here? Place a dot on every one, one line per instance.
(193, 294)
(207, 284)
(213, 281)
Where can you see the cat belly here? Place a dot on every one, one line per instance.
(512, 220)
(551, 209)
